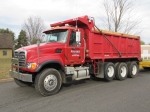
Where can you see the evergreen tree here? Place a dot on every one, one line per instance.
(22, 39)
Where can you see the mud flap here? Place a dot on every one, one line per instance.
(101, 69)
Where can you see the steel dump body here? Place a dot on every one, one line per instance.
(100, 48)
(102, 44)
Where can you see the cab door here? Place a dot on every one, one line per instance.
(75, 49)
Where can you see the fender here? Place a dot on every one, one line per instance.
(48, 62)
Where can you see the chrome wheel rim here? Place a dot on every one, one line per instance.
(110, 71)
(134, 70)
(123, 71)
(50, 82)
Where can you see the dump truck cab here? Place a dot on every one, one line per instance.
(72, 38)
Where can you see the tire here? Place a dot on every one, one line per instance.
(48, 82)
(116, 64)
(21, 83)
(121, 71)
(133, 69)
(109, 71)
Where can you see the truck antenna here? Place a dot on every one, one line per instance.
(76, 18)
(76, 23)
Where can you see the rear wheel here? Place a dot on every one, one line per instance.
(132, 69)
(21, 83)
(121, 71)
(48, 82)
(109, 71)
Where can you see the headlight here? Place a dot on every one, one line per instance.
(31, 65)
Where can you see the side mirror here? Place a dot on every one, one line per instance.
(78, 36)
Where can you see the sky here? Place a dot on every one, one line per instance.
(13, 13)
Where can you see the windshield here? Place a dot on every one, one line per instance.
(56, 36)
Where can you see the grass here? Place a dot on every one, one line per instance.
(5, 65)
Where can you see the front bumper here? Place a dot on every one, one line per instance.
(18, 75)
(21, 76)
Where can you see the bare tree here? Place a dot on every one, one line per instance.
(120, 16)
(33, 27)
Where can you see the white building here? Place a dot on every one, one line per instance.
(145, 52)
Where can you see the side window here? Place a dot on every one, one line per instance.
(72, 41)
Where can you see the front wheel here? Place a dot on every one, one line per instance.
(48, 82)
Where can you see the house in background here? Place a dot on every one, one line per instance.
(6, 45)
(145, 52)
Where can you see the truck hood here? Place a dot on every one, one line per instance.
(45, 51)
(50, 45)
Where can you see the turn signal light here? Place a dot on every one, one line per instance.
(31, 65)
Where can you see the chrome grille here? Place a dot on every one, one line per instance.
(16, 54)
(21, 56)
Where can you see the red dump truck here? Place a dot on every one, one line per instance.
(75, 49)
